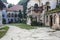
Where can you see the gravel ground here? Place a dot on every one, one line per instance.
(42, 33)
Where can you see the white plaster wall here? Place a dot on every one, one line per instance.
(56, 24)
(57, 19)
(0, 17)
(28, 21)
(5, 15)
(12, 17)
(47, 22)
(52, 5)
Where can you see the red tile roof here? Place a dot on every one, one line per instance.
(16, 8)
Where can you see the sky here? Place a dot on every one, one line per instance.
(13, 1)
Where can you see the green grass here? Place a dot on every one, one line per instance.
(2, 33)
(24, 26)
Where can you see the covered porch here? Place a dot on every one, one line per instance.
(53, 20)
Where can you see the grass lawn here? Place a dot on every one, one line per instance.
(24, 26)
(2, 33)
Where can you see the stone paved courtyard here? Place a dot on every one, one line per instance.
(41, 33)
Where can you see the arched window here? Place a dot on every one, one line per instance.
(3, 15)
(15, 15)
(12, 15)
(46, 18)
(8, 15)
(36, 7)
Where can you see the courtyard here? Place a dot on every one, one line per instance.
(36, 33)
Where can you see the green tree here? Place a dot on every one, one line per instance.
(24, 3)
(58, 4)
(20, 14)
(4, 21)
(10, 5)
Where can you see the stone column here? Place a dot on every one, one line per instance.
(38, 18)
(57, 21)
(45, 19)
(28, 21)
(48, 20)
(56, 25)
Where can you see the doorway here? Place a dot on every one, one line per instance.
(51, 21)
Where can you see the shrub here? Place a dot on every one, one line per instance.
(34, 23)
(4, 21)
(58, 6)
(21, 20)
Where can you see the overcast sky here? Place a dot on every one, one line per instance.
(13, 1)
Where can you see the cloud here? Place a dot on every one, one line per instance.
(13, 1)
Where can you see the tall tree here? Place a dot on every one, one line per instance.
(10, 5)
(20, 14)
(24, 3)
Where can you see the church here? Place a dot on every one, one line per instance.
(41, 9)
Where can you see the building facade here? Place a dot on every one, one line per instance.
(2, 6)
(52, 18)
(41, 3)
(11, 15)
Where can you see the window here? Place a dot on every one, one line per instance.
(12, 15)
(3, 15)
(59, 1)
(15, 15)
(8, 15)
(46, 18)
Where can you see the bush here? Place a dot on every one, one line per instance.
(34, 23)
(4, 21)
(24, 21)
(57, 6)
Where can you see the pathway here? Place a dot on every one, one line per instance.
(15, 33)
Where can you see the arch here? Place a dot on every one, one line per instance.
(51, 20)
